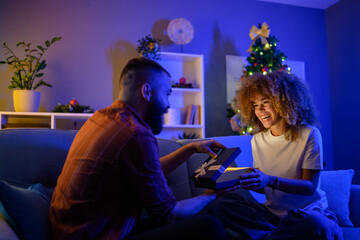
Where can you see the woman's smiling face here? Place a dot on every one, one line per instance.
(265, 112)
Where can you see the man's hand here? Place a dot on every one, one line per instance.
(174, 159)
(206, 146)
(220, 192)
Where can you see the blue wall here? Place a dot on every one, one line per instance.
(99, 37)
(343, 36)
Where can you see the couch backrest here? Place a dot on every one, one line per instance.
(178, 180)
(30, 156)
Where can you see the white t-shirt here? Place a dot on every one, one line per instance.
(276, 156)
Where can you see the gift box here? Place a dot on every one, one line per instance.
(216, 173)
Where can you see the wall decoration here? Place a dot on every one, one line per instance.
(180, 31)
(235, 66)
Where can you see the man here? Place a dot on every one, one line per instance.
(113, 170)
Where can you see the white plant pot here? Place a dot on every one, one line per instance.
(26, 100)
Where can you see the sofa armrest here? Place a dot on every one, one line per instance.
(354, 205)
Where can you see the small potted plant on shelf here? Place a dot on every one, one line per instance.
(149, 47)
(27, 71)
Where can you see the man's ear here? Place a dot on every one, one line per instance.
(146, 91)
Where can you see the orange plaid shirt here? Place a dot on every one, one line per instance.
(111, 173)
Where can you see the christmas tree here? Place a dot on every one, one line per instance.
(264, 55)
(264, 58)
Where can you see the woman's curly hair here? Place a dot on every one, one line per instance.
(289, 95)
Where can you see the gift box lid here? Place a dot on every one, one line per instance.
(208, 173)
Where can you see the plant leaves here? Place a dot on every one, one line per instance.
(41, 48)
(20, 43)
(41, 66)
(41, 82)
(55, 39)
(26, 70)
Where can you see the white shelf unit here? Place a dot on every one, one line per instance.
(191, 67)
(50, 116)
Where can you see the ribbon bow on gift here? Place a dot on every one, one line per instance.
(201, 170)
(261, 33)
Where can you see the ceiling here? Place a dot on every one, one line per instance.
(320, 4)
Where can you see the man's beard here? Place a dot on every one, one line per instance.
(154, 117)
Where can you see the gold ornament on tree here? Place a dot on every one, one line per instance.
(261, 33)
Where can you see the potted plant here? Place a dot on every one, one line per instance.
(149, 47)
(27, 71)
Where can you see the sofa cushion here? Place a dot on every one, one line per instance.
(336, 185)
(351, 233)
(26, 210)
(177, 180)
(354, 205)
(6, 231)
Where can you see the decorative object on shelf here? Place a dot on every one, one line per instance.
(149, 47)
(185, 135)
(26, 71)
(73, 107)
(180, 31)
(26, 100)
(173, 116)
(182, 84)
(264, 58)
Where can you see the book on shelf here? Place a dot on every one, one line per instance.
(192, 114)
(197, 115)
(25, 125)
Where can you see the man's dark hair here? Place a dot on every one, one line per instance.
(140, 63)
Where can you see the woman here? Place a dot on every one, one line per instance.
(287, 153)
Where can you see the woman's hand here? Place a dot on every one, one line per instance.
(256, 180)
(206, 146)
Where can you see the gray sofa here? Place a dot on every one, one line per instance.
(31, 156)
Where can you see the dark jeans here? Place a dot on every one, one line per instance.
(245, 219)
(196, 227)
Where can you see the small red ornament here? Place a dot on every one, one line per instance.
(73, 102)
(255, 64)
(182, 80)
(265, 69)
